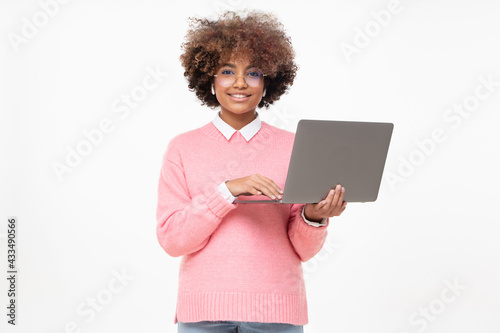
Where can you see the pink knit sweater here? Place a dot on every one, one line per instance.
(241, 262)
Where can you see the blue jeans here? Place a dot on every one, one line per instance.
(237, 327)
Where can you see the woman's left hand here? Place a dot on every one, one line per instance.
(333, 205)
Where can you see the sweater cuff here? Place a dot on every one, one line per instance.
(218, 204)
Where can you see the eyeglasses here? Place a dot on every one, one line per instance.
(226, 77)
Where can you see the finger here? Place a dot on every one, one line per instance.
(324, 202)
(328, 200)
(253, 186)
(271, 185)
(341, 208)
(341, 197)
(335, 200)
(263, 188)
(344, 205)
(336, 203)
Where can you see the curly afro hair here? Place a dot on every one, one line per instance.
(258, 36)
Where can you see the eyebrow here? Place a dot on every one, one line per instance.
(234, 66)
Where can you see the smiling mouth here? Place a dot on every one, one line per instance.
(239, 95)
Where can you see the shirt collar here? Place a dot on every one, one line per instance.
(248, 131)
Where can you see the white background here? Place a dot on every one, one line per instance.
(383, 263)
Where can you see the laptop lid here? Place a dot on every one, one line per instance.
(328, 152)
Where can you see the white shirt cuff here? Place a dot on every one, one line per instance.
(224, 191)
(314, 224)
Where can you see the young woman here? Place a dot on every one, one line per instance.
(241, 263)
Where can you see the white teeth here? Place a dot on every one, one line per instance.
(239, 96)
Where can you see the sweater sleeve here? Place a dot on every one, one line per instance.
(185, 223)
(307, 240)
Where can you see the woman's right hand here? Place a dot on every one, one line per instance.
(254, 185)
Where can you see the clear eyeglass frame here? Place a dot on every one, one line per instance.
(261, 79)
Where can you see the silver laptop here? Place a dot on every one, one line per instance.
(327, 152)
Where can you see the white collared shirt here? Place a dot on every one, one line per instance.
(248, 131)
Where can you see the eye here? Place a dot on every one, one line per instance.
(226, 72)
(254, 73)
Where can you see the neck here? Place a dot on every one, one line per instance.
(238, 121)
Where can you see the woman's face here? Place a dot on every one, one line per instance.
(240, 97)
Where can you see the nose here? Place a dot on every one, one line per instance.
(239, 81)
